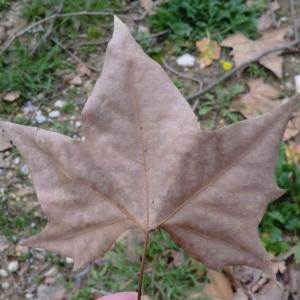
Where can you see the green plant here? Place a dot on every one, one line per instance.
(145, 40)
(191, 20)
(15, 221)
(170, 273)
(4, 4)
(20, 71)
(282, 220)
(255, 70)
(219, 102)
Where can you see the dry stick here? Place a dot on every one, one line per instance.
(143, 265)
(168, 67)
(272, 13)
(294, 19)
(50, 18)
(239, 67)
(48, 32)
(74, 56)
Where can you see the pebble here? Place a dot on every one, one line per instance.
(54, 114)
(69, 260)
(59, 104)
(51, 272)
(45, 292)
(13, 266)
(289, 86)
(186, 60)
(17, 160)
(29, 296)
(5, 285)
(40, 118)
(28, 107)
(24, 170)
(3, 273)
(77, 124)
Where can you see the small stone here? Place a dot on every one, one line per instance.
(59, 104)
(29, 295)
(17, 160)
(77, 124)
(40, 118)
(69, 260)
(3, 273)
(289, 86)
(5, 285)
(28, 108)
(283, 19)
(76, 80)
(13, 266)
(54, 114)
(186, 60)
(24, 170)
(39, 256)
(53, 292)
(51, 272)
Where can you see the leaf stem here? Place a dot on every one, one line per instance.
(141, 273)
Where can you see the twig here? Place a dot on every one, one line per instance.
(73, 14)
(273, 17)
(241, 66)
(143, 265)
(294, 19)
(48, 32)
(168, 67)
(74, 56)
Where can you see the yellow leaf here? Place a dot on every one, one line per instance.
(208, 51)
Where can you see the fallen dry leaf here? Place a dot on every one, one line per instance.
(218, 287)
(265, 22)
(208, 51)
(146, 4)
(272, 291)
(240, 294)
(292, 152)
(245, 49)
(293, 126)
(145, 163)
(76, 80)
(258, 100)
(84, 70)
(11, 96)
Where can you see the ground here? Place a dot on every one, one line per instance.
(46, 75)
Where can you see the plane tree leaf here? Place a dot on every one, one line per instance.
(145, 163)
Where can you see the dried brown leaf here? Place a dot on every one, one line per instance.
(218, 287)
(146, 4)
(272, 291)
(145, 163)
(259, 99)
(245, 49)
(265, 21)
(209, 51)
